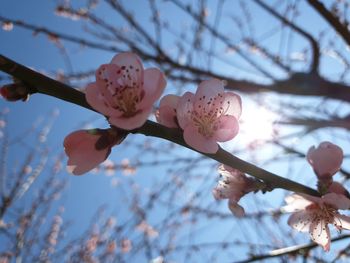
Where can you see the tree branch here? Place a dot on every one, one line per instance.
(293, 250)
(304, 84)
(314, 45)
(39, 83)
(331, 19)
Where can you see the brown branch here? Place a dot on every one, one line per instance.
(293, 250)
(41, 84)
(314, 124)
(314, 45)
(77, 40)
(331, 19)
(223, 38)
(304, 84)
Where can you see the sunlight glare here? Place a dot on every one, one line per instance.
(257, 125)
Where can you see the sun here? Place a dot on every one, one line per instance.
(257, 124)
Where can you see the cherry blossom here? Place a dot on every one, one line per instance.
(86, 149)
(124, 91)
(209, 116)
(326, 159)
(313, 214)
(233, 186)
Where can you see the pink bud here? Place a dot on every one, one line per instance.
(86, 149)
(326, 159)
(14, 92)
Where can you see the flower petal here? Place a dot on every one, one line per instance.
(236, 209)
(326, 159)
(227, 128)
(209, 89)
(234, 104)
(130, 123)
(230, 174)
(342, 222)
(166, 113)
(184, 109)
(338, 201)
(154, 83)
(338, 188)
(319, 233)
(209, 97)
(167, 116)
(300, 221)
(197, 141)
(98, 102)
(127, 59)
(296, 202)
(169, 100)
(80, 147)
(106, 74)
(225, 190)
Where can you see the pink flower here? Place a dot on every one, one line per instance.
(326, 159)
(313, 214)
(124, 91)
(209, 116)
(166, 114)
(86, 149)
(233, 186)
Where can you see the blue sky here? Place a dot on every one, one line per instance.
(84, 194)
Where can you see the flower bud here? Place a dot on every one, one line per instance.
(15, 91)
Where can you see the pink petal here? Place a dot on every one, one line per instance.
(197, 141)
(224, 190)
(326, 159)
(130, 123)
(98, 102)
(107, 73)
(167, 116)
(300, 221)
(154, 83)
(337, 200)
(217, 194)
(296, 202)
(236, 209)
(342, 222)
(319, 233)
(233, 103)
(184, 109)
(169, 100)
(209, 89)
(338, 188)
(209, 97)
(227, 128)
(80, 147)
(230, 174)
(128, 59)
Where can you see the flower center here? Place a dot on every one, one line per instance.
(324, 212)
(126, 90)
(127, 99)
(206, 114)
